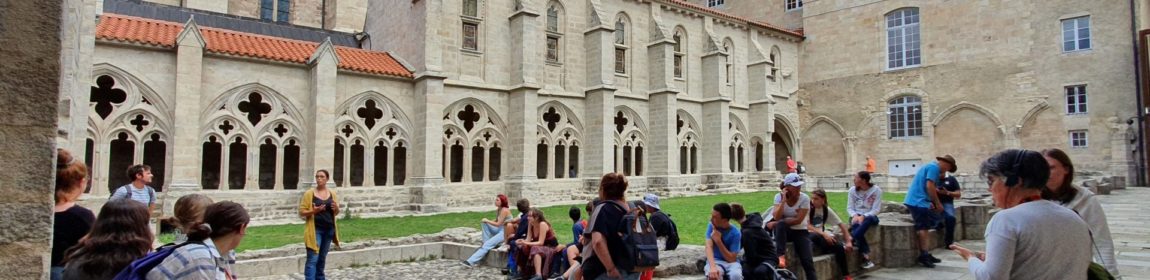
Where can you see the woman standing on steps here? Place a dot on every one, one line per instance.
(492, 230)
(319, 206)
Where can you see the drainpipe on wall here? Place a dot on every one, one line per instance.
(1140, 114)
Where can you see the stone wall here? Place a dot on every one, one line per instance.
(31, 82)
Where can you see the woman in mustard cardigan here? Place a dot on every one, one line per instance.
(319, 207)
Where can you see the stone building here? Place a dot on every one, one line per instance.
(903, 81)
(423, 105)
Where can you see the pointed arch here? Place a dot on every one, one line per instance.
(963, 105)
(827, 120)
(133, 84)
(1032, 113)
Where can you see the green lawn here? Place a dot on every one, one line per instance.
(690, 214)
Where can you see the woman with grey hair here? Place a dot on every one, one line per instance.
(1031, 238)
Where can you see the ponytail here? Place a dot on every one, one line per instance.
(199, 232)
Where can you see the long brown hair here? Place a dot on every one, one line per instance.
(1066, 192)
(189, 211)
(119, 236)
(69, 172)
(221, 218)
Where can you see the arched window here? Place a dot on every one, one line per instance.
(903, 39)
(729, 48)
(554, 33)
(688, 141)
(621, 46)
(471, 142)
(680, 53)
(905, 117)
(127, 125)
(557, 154)
(255, 124)
(471, 19)
(375, 128)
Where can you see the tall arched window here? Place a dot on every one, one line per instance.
(729, 48)
(680, 53)
(903, 39)
(905, 117)
(621, 46)
(554, 32)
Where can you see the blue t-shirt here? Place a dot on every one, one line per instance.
(732, 239)
(916, 193)
(577, 230)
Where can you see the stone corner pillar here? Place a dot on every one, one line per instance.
(32, 84)
(186, 151)
(321, 114)
(716, 135)
(599, 156)
(425, 161)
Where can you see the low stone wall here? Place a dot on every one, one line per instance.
(280, 206)
(890, 183)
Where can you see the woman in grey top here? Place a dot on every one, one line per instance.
(1032, 238)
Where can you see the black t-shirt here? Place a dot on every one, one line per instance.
(661, 222)
(610, 224)
(950, 184)
(324, 219)
(70, 226)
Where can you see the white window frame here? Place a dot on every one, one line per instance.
(1076, 99)
(1076, 35)
(904, 31)
(792, 5)
(679, 57)
(716, 3)
(1082, 143)
(909, 106)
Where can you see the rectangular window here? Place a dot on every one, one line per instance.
(903, 39)
(552, 49)
(678, 66)
(715, 3)
(470, 36)
(283, 11)
(267, 9)
(620, 60)
(1078, 139)
(1076, 99)
(1076, 34)
(471, 8)
(794, 4)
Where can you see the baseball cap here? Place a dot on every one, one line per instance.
(793, 179)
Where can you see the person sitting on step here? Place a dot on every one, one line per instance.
(822, 216)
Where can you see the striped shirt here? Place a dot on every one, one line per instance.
(145, 195)
(196, 262)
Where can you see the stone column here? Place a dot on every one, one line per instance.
(526, 64)
(32, 84)
(716, 114)
(321, 114)
(852, 157)
(186, 149)
(76, 71)
(762, 120)
(425, 162)
(661, 148)
(598, 153)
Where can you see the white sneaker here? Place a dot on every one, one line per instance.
(867, 264)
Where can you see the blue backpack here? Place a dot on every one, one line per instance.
(139, 268)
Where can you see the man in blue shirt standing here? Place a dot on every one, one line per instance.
(924, 206)
(722, 246)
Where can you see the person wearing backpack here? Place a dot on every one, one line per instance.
(665, 228)
(208, 255)
(607, 229)
(118, 237)
(759, 258)
(139, 190)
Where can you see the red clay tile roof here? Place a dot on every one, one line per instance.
(150, 32)
(727, 16)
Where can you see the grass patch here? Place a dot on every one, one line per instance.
(691, 214)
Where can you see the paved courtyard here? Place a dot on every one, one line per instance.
(1123, 207)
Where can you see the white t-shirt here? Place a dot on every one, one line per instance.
(830, 224)
(1090, 209)
(790, 211)
(1034, 240)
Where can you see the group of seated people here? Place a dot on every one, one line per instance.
(806, 221)
(535, 252)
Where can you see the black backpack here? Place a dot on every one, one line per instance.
(639, 238)
(673, 235)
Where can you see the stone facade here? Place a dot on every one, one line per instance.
(29, 82)
(991, 77)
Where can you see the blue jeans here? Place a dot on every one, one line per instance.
(858, 233)
(492, 237)
(949, 219)
(730, 270)
(57, 272)
(317, 261)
